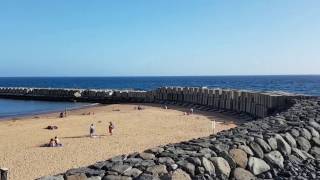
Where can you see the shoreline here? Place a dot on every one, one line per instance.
(51, 113)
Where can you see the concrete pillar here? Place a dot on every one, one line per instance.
(199, 96)
(217, 93)
(205, 97)
(210, 97)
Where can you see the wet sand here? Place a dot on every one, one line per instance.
(135, 131)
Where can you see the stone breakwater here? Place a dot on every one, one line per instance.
(282, 146)
(257, 104)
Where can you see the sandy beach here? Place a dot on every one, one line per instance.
(135, 131)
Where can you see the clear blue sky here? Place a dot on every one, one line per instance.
(159, 37)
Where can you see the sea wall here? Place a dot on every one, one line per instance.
(257, 104)
(282, 146)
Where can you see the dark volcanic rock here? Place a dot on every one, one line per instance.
(257, 149)
(239, 156)
(275, 158)
(257, 166)
(242, 174)
(208, 166)
(282, 145)
(222, 167)
(263, 144)
(186, 166)
(303, 144)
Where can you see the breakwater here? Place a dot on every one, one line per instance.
(257, 104)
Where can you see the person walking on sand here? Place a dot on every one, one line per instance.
(111, 127)
(92, 130)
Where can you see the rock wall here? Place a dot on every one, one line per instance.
(282, 146)
(257, 104)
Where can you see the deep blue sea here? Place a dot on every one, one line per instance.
(302, 84)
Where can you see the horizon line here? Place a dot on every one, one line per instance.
(111, 76)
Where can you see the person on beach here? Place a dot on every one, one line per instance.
(57, 141)
(52, 143)
(92, 130)
(191, 111)
(111, 127)
(61, 115)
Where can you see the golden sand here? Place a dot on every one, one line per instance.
(135, 131)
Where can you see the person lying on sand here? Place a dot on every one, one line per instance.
(52, 143)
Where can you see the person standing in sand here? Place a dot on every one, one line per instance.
(92, 130)
(111, 127)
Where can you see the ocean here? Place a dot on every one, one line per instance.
(301, 84)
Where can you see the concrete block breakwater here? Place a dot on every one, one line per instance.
(257, 104)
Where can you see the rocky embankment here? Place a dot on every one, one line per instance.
(283, 146)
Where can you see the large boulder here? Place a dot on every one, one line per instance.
(246, 149)
(51, 178)
(313, 132)
(239, 156)
(272, 143)
(134, 172)
(305, 133)
(81, 176)
(303, 144)
(147, 156)
(315, 151)
(275, 158)
(186, 166)
(315, 125)
(166, 160)
(257, 166)
(157, 170)
(194, 160)
(242, 174)
(282, 145)
(222, 167)
(258, 152)
(208, 166)
(179, 174)
(316, 141)
(301, 154)
(265, 147)
(290, 139)
(121, 168)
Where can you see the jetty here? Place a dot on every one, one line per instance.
(257, 104)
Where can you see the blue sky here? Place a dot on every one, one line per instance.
(163, 37)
